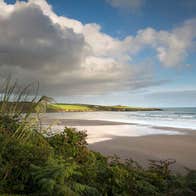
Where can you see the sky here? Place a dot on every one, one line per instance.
(111, 52)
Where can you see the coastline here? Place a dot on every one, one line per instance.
(81, 122)
(109, 138)
(84, 122)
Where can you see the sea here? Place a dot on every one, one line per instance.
(167, 117)
(168, 121)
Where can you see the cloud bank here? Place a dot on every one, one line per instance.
(71, 58)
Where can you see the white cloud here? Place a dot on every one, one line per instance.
(69, 57)
(172, 47)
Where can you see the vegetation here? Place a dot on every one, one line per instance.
(62, 165)
(68, 107)
(87, 108)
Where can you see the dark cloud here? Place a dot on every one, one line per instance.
(29, 39)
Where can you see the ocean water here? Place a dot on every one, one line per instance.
(168, 117)
(165, 122)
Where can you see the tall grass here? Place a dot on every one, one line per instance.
(21, 104)
(13, 98)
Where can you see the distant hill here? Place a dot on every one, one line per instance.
(87, 108)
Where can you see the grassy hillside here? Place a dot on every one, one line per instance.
(87, 108)
(67, 108)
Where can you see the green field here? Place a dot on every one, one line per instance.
(67, 108)
(87, 108)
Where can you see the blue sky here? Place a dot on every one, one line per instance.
(150, 59)
(156, 14)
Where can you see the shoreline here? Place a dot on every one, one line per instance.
(82, 122)
(109, 138)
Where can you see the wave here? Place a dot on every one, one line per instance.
(175, 117)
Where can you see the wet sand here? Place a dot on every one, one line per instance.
(182, 148)
(81, 122)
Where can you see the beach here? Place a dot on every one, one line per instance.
(154, 147)
(134, 141)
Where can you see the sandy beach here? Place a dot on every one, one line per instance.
(140, 143)
(182, 148)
